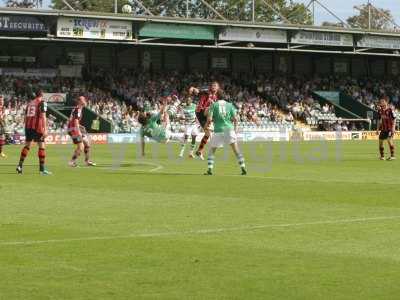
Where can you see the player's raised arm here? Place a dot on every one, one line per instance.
(193, 90)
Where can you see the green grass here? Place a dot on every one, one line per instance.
(300, 226)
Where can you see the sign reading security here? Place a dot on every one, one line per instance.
(85, 28)
(10, 23)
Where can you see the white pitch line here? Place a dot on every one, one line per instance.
(198, 231)
(157, 168)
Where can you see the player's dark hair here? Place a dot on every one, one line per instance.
(385, 98)
(221, 95)
(38, 93)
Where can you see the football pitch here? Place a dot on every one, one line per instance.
(313, 220)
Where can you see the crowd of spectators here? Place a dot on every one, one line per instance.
(118, 97)
(15, 111)
(255, 98)
(369, 90)
(123, 117)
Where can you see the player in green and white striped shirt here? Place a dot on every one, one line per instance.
(155, 126)
(191, 126)
(223, 115)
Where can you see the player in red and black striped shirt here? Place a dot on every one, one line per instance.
(78, 134)
(206, 98)
(386, 128)
(35, 131)
(2, 127)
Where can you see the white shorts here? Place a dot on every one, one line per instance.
(191, 130)
(220, 139)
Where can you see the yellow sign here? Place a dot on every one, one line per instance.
(371, 135)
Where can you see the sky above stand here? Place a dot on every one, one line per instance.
(343, 8)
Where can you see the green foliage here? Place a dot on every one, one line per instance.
(380, 18)
(90, 5)
(297, 13)
(236, 10)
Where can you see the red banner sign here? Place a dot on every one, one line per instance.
(63, 139)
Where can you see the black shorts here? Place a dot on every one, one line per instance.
(384, 135)
(202, 118)
(2, 129)
(76, 139)
(32, 135)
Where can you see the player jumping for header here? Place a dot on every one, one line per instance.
(207, 97)
(35, 131)
(223, 115)
(386, 128)
(77, 132)
(155, 126)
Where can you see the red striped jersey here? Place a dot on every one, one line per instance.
(387, 119)
(35, 115)
(76, 114)
(206, 99)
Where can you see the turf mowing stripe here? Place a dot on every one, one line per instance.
(157, 167)
(199, 231)
(271, 178)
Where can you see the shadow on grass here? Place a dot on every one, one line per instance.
(126, 165)
(154, 174)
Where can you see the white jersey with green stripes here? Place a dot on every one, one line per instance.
(189, 112)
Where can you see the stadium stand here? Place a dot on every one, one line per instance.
(265, 103)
